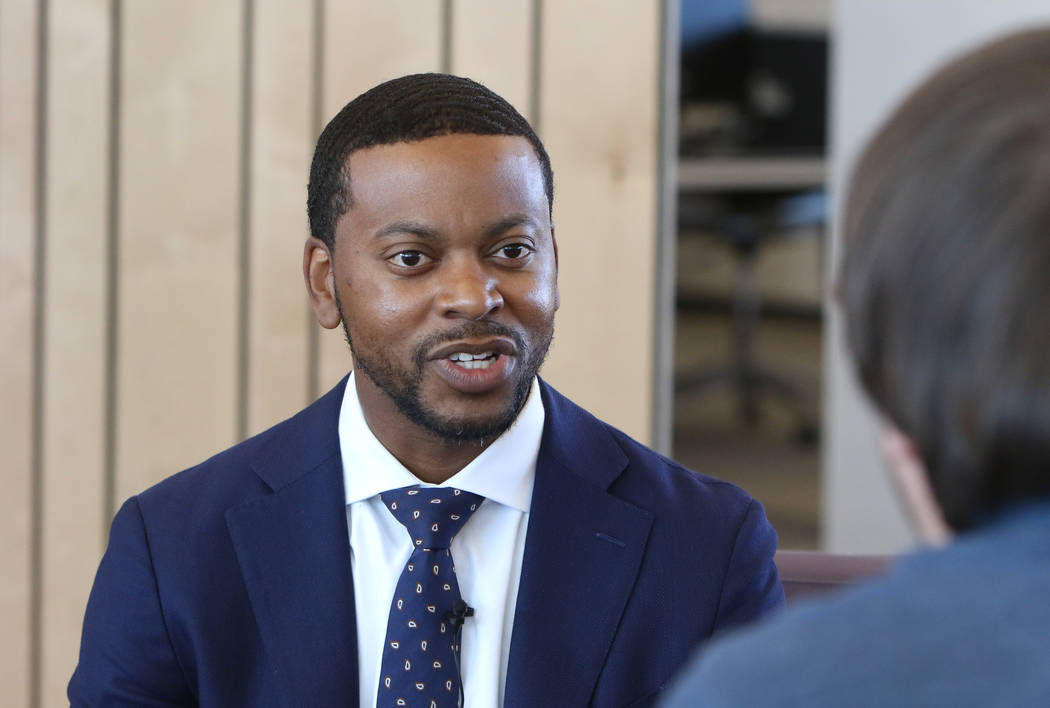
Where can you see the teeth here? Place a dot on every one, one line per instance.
(464, 357)
(474, 361)
(478, 364)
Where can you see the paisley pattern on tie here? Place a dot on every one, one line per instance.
(421, 655)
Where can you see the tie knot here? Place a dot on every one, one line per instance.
(432, 515)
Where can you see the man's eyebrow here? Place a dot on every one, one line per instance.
(407, 227)
(499, 227)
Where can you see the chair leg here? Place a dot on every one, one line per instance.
(748, 379)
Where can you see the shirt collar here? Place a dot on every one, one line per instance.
(504, 472)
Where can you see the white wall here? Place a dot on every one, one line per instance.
(882, 49)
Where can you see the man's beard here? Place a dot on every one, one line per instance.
(404, 386)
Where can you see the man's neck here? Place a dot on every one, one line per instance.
(430, 457)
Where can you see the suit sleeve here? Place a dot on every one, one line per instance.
(126, 655)
(751, 587)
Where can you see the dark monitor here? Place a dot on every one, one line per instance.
(746, 91)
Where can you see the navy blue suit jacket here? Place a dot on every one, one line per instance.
(229, 584)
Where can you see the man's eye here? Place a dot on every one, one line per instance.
(408, 259)
(514, 251)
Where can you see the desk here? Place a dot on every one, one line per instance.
(751, 174)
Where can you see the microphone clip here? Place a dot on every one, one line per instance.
(459, 613)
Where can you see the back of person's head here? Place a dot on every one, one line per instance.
(946, 278)
(406, 109)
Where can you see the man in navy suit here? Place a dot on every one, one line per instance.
(945, 289)
(265, 575)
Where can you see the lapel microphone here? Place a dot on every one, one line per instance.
(456, 617)
(459, 613)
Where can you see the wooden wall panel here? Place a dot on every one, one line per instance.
(599, 122)
(18, 118)
(183, 205)
(75, 329)
(178, 268)
(365, 43)
(492, 43)
(282, 134)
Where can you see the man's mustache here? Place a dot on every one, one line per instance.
(467, 330)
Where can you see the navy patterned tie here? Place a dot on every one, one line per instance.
(421, 654)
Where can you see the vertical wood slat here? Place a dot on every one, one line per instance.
(18, 137)
(492, 44)
(368, 42)
(74, 318)
(245, 206)
(178, 265)
(599, 123)
(282, 147)
(318, 115)
(662, 414)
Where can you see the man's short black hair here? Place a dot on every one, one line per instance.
(406, 109)
(946, 278)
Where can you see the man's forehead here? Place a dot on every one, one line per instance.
(491, 177)
(447, 145)
(443, 163)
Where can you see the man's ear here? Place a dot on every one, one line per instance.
(557, 292)
(318, 270)
(908, 474)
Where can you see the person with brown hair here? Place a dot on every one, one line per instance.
(945, 286)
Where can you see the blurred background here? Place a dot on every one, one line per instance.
(153, 163)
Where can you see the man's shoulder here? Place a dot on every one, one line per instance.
(815, 653)
(647, 474)
(870, 645)
(257, 465)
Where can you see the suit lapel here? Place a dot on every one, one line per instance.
(294, 554)
(583, 550)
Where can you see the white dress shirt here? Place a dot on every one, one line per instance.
(487, 551)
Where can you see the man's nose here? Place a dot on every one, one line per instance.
(469, 290)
